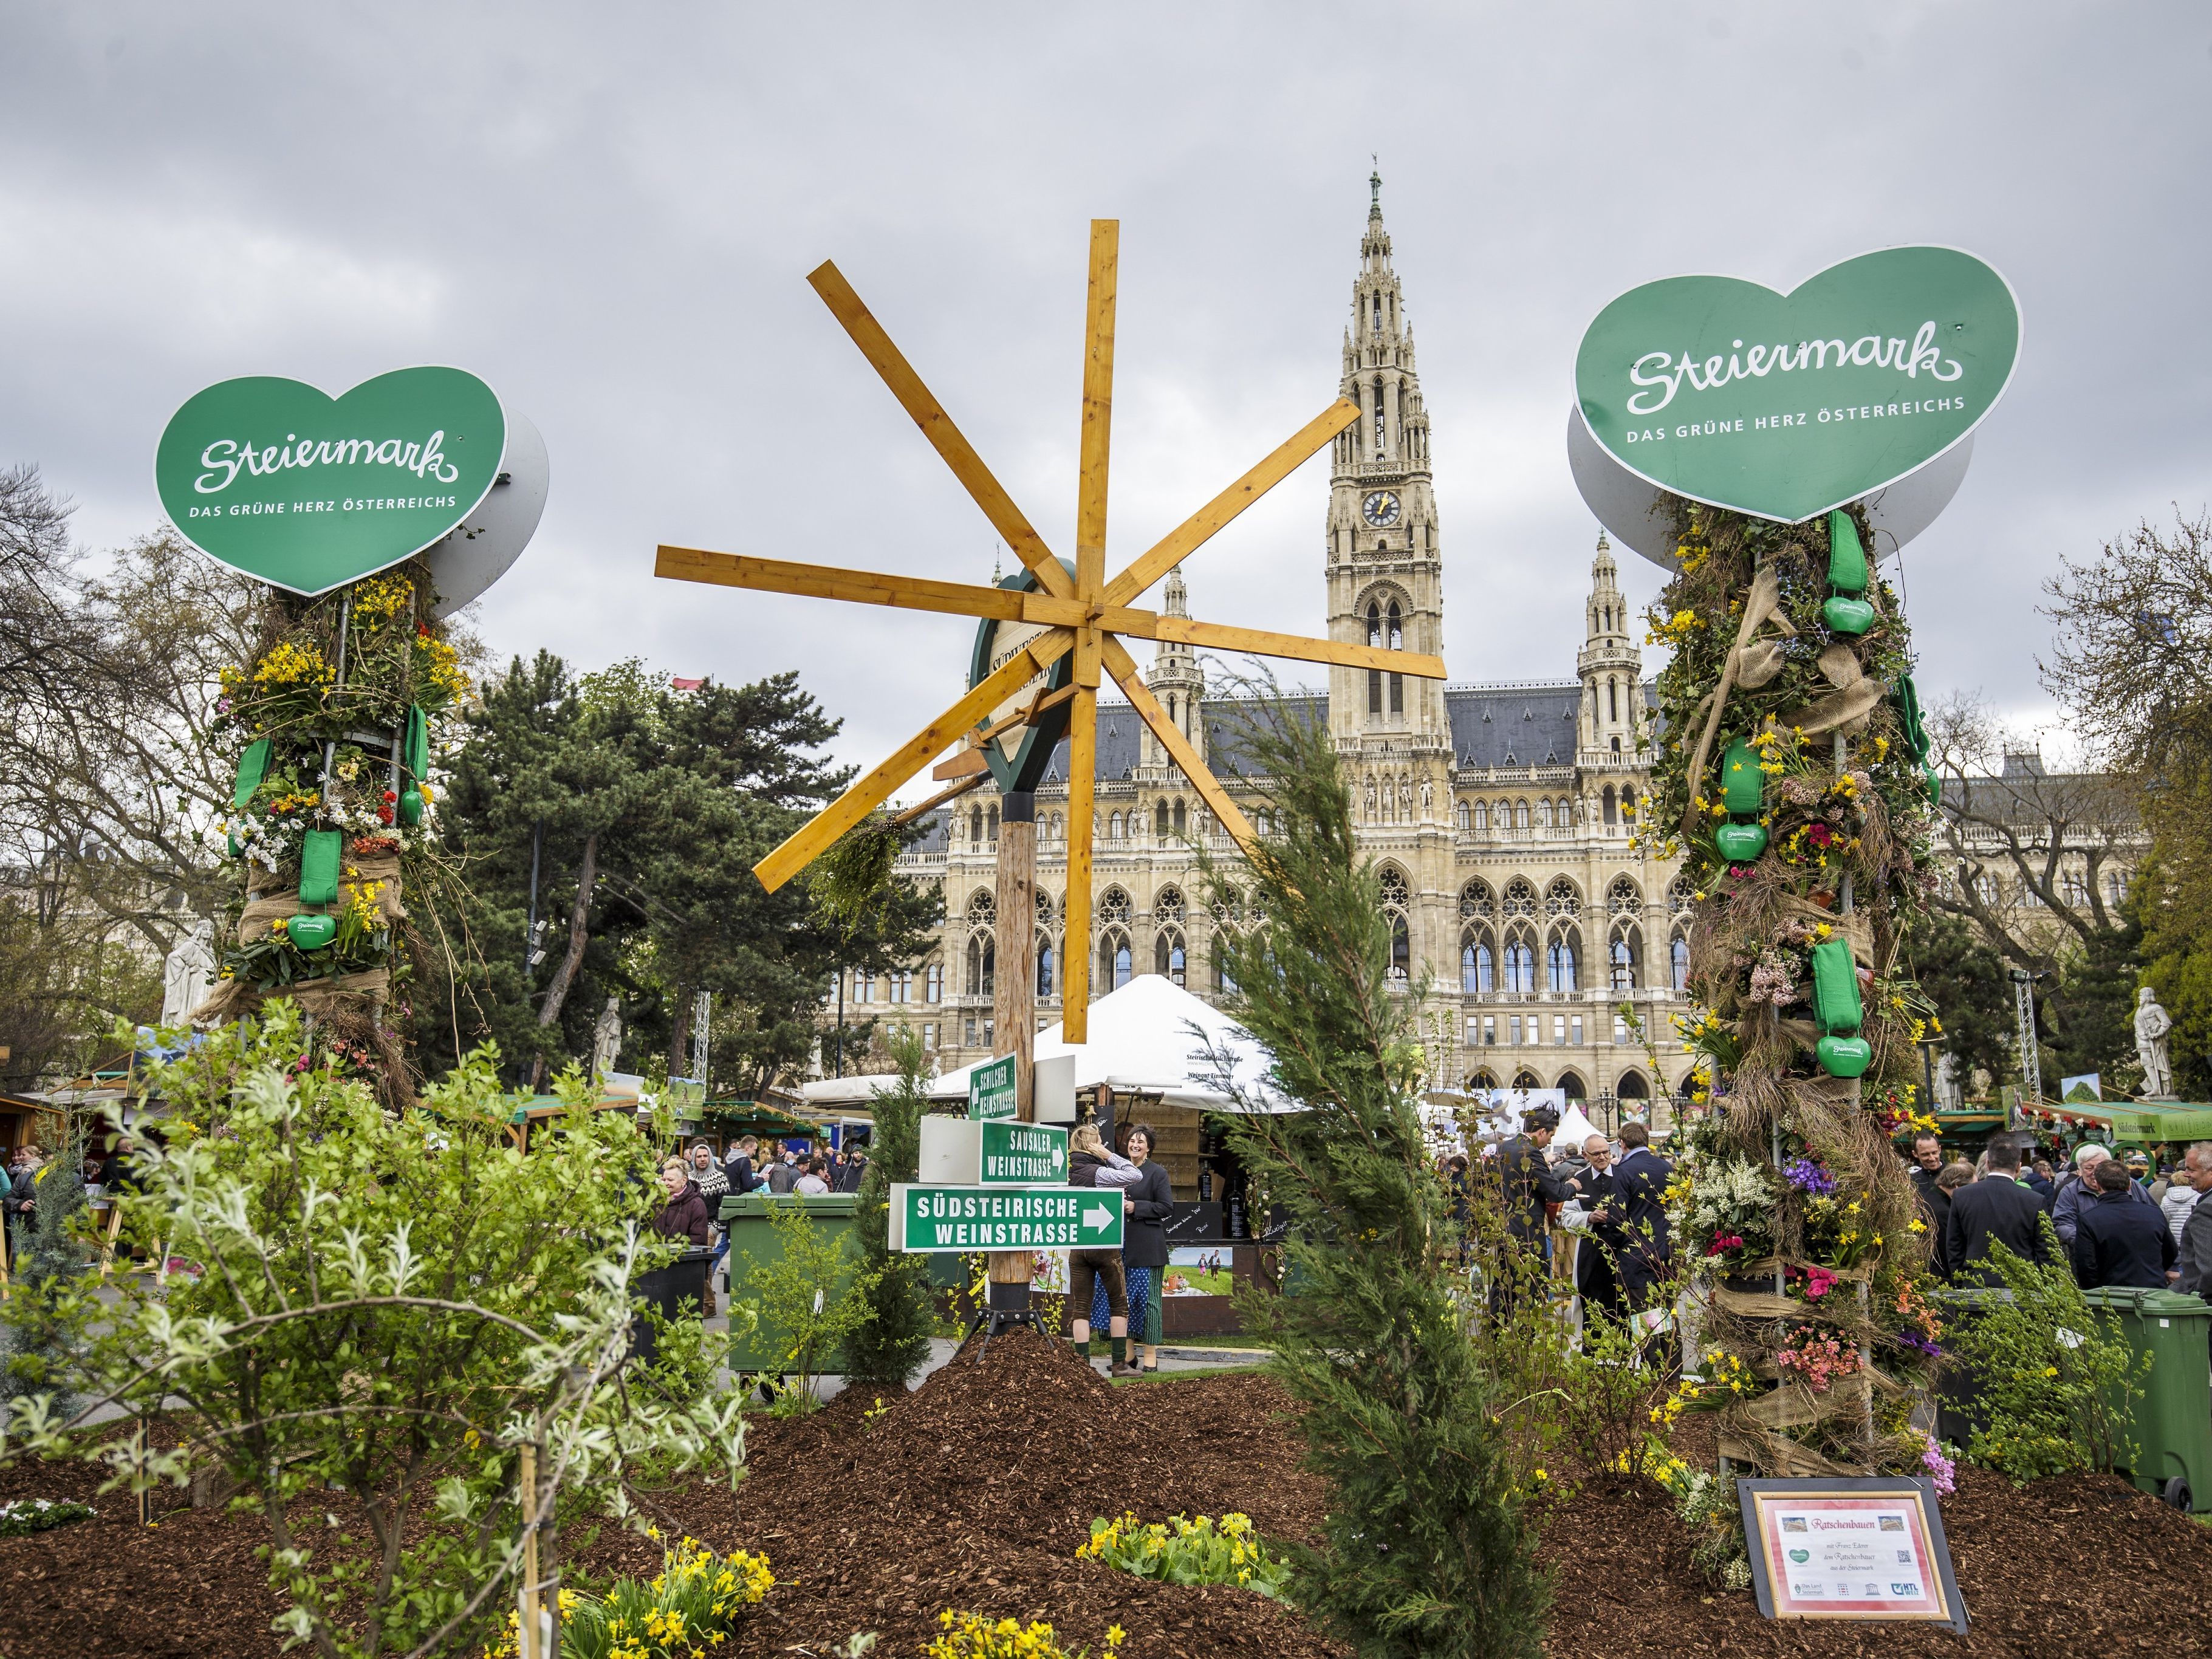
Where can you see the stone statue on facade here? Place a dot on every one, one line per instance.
(606, 1039)
(2153, 1024)
(187, 972)
(1946, 1082)
(1428, 800)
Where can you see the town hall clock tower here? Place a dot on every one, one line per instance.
(1385, 564)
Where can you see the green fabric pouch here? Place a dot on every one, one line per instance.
(252, 767)
(1836, 988)
(1847, 565)
(319, 853)
(1743, 786)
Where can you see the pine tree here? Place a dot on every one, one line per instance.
(40, 1336)
(1424, 1552)
(888, 1349)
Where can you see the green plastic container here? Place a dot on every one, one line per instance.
(752, 1233)
(2172, 1424)
(321, 855)
(1847, 565)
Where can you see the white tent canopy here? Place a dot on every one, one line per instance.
(1141, 1041)
(828, 1093)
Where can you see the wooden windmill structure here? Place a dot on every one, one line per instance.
(1083, 617)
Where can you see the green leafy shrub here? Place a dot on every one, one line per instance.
(809, 1298)
(29, 1514)
(391, 1305)
(2058, 1381)
(1181, 1551)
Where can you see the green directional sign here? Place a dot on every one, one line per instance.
(1022, 1154)
(1785, 405)
(991, 1089)
(305, 491)
(940, 1219)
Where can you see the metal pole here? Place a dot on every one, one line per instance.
(841, 1023)
(530, 931)
(2030, 1060)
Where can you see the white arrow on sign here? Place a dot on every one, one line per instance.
(1101, 1217)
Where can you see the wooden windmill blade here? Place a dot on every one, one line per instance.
(948, 442)
(817, 836)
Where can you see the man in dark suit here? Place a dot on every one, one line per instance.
(1639, 1181)
(1529, 1186)
(2119, 1241)
(1597, 1257)
(1927, 1164)
(1995, 1207)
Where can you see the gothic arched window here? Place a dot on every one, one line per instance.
(1160, 819)
(1374, 675)
(1402, 954)
(1626, 948)
(1482, 815)
(1179, 819)
(1397, 643)
(1462, 817)
(1519, 960)
(1475, 900)
(1114, 827)
(1543, 815)
(1623, 898)
(1520, 815)
(1609, 806)
(1478, 973)
(1044, 963)
(1520, 897)
(1559, 958)
(1168, 958)
(1563, 898)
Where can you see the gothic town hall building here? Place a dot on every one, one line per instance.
(1496, 813)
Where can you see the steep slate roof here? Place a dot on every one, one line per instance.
(1514, 723)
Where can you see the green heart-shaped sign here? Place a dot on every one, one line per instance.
(307, 492)
(1785, 405)
(1801, 1557)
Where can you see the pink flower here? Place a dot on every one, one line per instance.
(1943, 1473)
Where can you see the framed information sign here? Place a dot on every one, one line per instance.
(1871, 1549)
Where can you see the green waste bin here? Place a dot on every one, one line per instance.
(2172, 1423)
(752, 1233)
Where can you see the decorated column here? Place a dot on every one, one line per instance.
(370, 517)
(1769, 450)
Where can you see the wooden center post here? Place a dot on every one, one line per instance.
(1014, 997)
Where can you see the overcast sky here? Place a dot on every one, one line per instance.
(608, 212)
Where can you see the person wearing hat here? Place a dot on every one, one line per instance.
(1529, 1186)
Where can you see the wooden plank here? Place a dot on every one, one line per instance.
(1075, 936)
(1222, 637)
(941, 798)
(1193, 532)
(965, 764)
(937, 426)
(825, 581)
(1098, 409)
(1123, 667)
(1086, 658)
(820, 832)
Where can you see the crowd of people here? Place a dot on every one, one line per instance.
(1606, 1202)
(2115, 1220)
(696, 1182)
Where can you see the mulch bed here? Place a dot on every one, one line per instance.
(973, 1491)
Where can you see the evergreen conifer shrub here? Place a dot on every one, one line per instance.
(887, 1350)
(1425, 1552)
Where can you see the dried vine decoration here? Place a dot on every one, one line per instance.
(1789, 778)
(333, 727)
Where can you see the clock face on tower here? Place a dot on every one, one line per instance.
(1380, 508)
